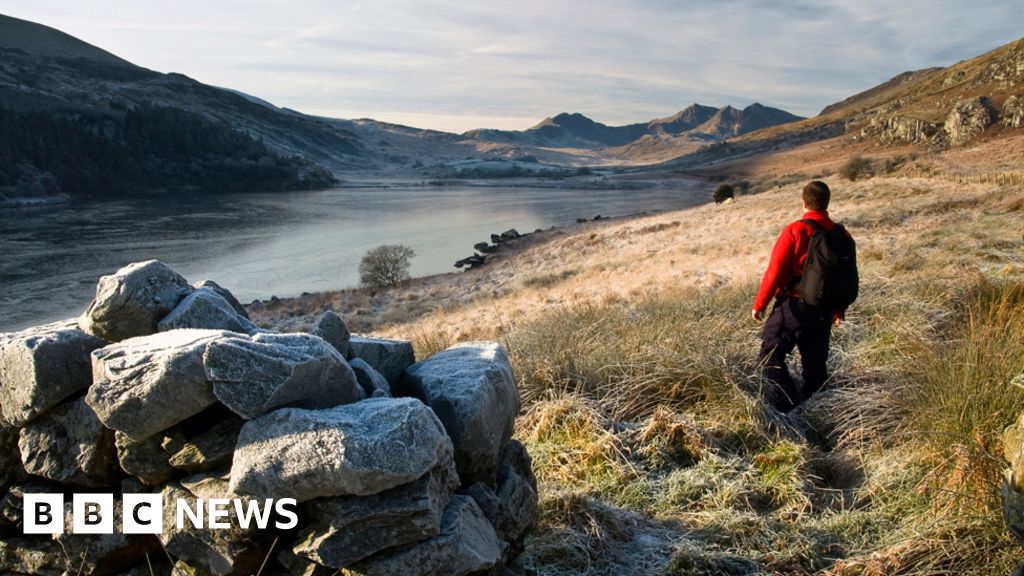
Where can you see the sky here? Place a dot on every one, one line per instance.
(455, 65)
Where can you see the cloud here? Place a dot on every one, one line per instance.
(452, 63)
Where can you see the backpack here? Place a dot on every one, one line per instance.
(830, 278)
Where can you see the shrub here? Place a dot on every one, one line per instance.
(723, 193)
(855, 168)
(386, 265)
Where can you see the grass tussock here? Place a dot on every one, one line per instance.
(642, 413)
(648, 408)
(676, 350)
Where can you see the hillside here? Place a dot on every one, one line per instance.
(635, 360)
(971, 102)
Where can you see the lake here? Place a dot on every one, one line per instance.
(281, 244)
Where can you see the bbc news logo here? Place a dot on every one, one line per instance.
(144, 513)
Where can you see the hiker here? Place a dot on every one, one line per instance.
(812, 278)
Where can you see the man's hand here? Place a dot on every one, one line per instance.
(757, 315)
(837, 321)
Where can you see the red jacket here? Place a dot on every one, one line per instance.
(788, 259)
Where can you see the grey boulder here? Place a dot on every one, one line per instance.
(41, 366)
(205, 308)
(11, 470)
(225, 294)
(228, 551)
(346, 529)
(69, 444)
(472, 390)
(373, 383)
(131, 301)
(252, 376)
(144, 385)
(101, 553)
(333, 329)
(359, 449)
(512, 508)
(147, 459)
(389, 357)
(466, 545)
(32, 554)
(210, 449)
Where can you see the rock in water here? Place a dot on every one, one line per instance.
(360, 449)
(473, 392)
(467, 545)
(252, 376)
(132, 300)
(372, 382)
(144, 385)
(207, 309)
(389, 357)
(41, 366)
(68, 444)
(346, 529)
(225, 294)
(333, 329)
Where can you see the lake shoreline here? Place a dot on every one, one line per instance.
(273, 244)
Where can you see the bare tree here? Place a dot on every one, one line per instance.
(386, 265)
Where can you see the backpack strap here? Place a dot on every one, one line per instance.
(813, 224)
(791, 285)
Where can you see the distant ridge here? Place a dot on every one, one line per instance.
(16, 34)
(697, 122)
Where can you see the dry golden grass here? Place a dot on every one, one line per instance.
(633, 351)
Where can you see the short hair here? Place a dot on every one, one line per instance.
(816, 195)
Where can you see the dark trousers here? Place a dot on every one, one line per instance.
(807, 328)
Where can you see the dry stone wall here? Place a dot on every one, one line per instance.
(168, 389)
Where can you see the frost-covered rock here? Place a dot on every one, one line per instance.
(41, 366)
(353, 449)
(374, 383)
(512, 508)
(333, 329)
(69, 444)
(225, 294)
(131, 301)
(252, 376)
(473, 392)
(147, 384)
(206, 309)
(389, 357)
(346, 529)
(466, 545)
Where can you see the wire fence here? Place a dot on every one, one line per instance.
(1007, 179)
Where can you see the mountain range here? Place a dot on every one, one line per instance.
(103, 124)
(52, 84)
(698, 122)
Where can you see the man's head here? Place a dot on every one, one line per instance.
(816, 195)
